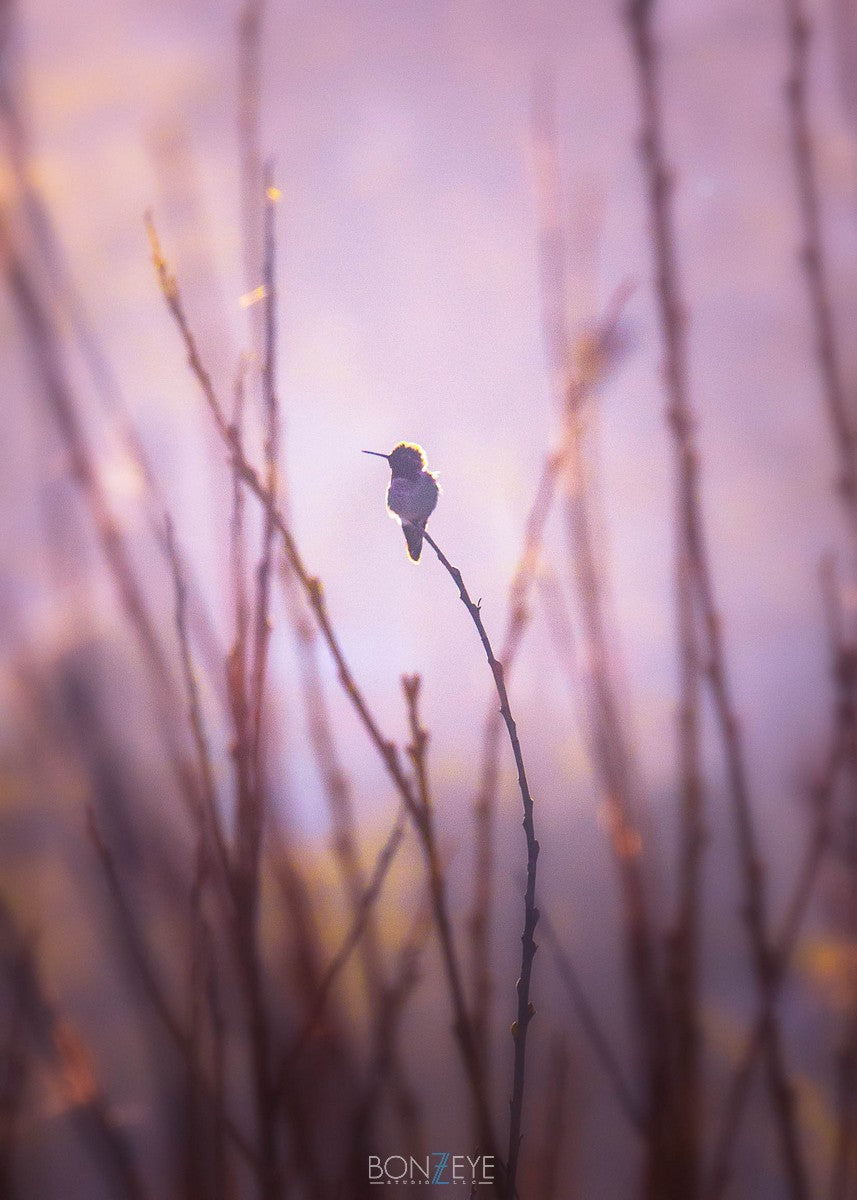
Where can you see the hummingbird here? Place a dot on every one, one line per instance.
(412, 493)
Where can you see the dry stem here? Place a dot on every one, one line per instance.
(518, 614)
(841, 421)
(149, 978)
(348, 945)
(311, 586)
(555, 1120)
(692, 545)
(423, 820)
(611, 743)
(526, 1011)
(839, 412)
(591, 1026)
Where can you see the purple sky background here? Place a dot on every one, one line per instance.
(409, 309)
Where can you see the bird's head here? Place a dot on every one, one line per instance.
(406, 460)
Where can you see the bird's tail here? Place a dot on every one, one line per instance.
(414, 538)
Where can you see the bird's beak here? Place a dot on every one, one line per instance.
(377, 454)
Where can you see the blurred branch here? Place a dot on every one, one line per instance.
(595, 1035)
(69, 1056)
(194, 1134)
(249, 93)
(683, 943)
(259, 264)
(561, 631)
(13, 1061)
(485, 800)
(839, 406)
(843, 15)
(311, 586)
(83, 1093)
(210, 849)
(739, 1086)
(694, 554)
(149, 976)
(210, 844)
(556, 1120)
(221, 1175)
(322, 737)
(245, 877)
(518, 615)
(40, 337)
(250, 785)
(423, 820)
(343, 838)
(387, 1022)
(252, 801)
(816, 847)
(839, 412)
(844, 671)
(314, 594)
(304, 958)
(209, 819)
(250, 824)
(54, 263)
(347, 947)
(237, 659)
(574, 373)
(41, 340)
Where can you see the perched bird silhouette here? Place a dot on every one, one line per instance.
(413, 492)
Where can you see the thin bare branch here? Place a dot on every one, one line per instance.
(591, 1026)
(840, 417)
(65, 1049)
(836, 400)
(40, 336)
(311, 586)
(349, 943)
(210, 824)
(250, 827)
(693, 546)
(53, 261)
(386, 1027)
(608, 732)
(149, 975)
(555, 1120)
(237, 659)
(249, 94)
(526, 1010)
(814, 852)
(424, 824)
(526, 571)
(739, 1086)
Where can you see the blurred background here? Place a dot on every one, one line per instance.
(438, 224)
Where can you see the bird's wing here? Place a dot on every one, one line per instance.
(433, 487)
(397, 497)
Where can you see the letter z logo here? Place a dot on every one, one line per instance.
(440, 1168)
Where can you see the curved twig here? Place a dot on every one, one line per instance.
(595, 1034)
(526, 1011)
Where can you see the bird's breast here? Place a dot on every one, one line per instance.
(412, 499)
